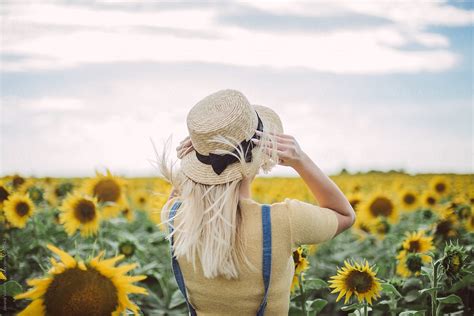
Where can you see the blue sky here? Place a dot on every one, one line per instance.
(361, 85)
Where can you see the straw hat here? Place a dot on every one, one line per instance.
(227, 113)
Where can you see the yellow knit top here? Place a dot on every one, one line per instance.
(293, 223)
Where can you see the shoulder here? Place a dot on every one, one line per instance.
(248, 203)
(278, 210)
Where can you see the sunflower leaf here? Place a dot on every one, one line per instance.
(412, 295)
(315, 283)
(316, 305)
(10, 288)
(351, 307)
(389, 289)
(412, 313)
(429, 290)
(360, 311)
(177, 299)
(450, 299)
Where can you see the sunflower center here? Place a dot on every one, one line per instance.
(84, 211)
(414, 246)
(296, 257)
(359, 281)
(127, 249)
(409, 199)
(3, 194)
(414, 263)
(440, 187)
(76, 292)
(17, 181)
(430, 200)
(381, 206)
(443, 228)
(456, 262)
(142, 200)
(107, 190)
(22, 208)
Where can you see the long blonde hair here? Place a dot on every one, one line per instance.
(211, 220)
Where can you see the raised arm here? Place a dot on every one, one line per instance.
(325, 191)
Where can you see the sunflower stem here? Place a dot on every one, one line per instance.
(366, 312)
(303, 298)
(434, 307)
(393, 305)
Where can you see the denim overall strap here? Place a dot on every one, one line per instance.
(176, 269)
(267, 255)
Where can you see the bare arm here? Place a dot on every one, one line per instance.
(326, 192)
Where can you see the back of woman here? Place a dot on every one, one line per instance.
(230, 254)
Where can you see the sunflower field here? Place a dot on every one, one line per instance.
(94, 246)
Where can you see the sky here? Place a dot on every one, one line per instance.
(361, 85)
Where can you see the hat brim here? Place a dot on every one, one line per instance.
(203, 173)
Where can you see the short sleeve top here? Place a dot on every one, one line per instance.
(309, 223)
(294, 223)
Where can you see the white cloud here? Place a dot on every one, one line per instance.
(50, 104)
(116, 132)
(414, 13)
(103, 36)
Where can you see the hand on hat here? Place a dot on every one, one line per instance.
(185, 146)
(288, 150)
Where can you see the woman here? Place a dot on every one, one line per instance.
(232, 255)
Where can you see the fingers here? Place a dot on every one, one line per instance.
(280, 135)
(184, 144)
(184, 151)
(184, 147)
(280, 146)
(187, 139)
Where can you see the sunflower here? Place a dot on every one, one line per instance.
(469, 223)
(410, 264)
(56, 192)
(109, 190)
(312, 249)
(2, 276)
(81, 212)
(75, 288)
(454, 260)
(357, 279)
(440, 185)
(4, 193)
(128, 213)
(378, 205)
(380, 228)
(409, 200)
(301, 265)
(18, 209)
(127, 248)
(18, 182)
(458, 205)
(429, 199)
(418, 242)
(141, 199)
(446, 226)
(361, 228)
(156, 205)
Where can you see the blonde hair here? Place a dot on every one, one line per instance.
(211, 222)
